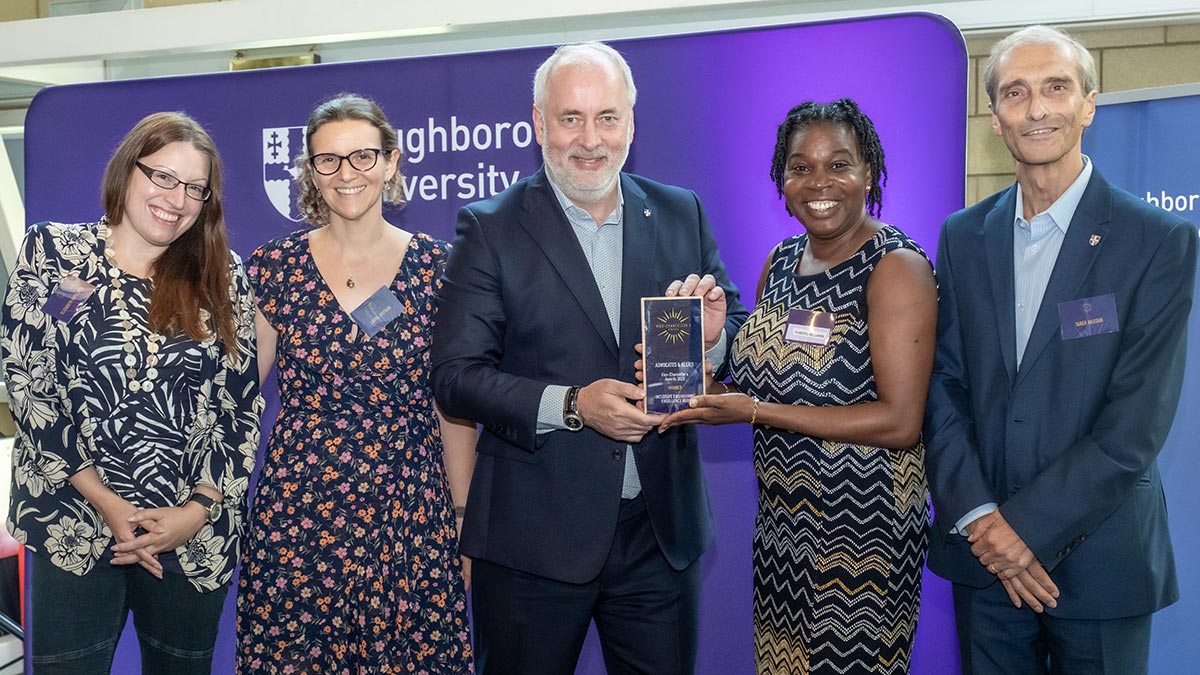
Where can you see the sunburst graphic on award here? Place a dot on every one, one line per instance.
(672, 352)
(674, 325)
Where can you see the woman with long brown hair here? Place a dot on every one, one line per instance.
(130, 359)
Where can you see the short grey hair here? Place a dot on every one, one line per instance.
(1089, 78)
(579, 53)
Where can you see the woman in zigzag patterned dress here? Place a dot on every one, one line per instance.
(835, 395)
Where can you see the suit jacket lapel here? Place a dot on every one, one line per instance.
(546, 223)
(997, 246)
(639, 238)
(1082, 244)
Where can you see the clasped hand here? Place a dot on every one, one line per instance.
(163, 529)
(1002, 552)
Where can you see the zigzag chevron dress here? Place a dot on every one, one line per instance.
(840, 536)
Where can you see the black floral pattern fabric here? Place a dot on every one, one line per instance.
(75, 403)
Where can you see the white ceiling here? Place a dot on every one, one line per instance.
(204, 37)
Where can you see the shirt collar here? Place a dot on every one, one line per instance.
(571, 209)
(1063, 209)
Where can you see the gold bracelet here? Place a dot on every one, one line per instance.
(754, 411)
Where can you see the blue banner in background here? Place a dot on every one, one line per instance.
(1149, 148)
(706, 115)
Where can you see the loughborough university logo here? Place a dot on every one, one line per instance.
(280, 146)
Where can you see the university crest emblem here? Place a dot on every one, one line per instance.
(281, 145)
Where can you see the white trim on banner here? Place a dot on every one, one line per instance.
(1149, 94)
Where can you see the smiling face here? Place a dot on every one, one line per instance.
(1041, 109)
(154, 216)
(585, 127)
(349, 193)
(826, 179)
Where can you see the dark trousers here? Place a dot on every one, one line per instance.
(77, 621)
(645, 611)
(996, 638)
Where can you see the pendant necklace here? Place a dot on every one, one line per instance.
(130, 330)
(342, 258)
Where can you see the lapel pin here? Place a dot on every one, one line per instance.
(1094, 240)
(646, 213)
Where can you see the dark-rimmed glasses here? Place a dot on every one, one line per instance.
(164, 180)
(327, 163)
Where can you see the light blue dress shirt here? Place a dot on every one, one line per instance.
(1036, 244)
(603, 246)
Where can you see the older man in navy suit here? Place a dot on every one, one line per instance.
(576, 513)
(1062, 326)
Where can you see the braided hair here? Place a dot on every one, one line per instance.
(845, 112)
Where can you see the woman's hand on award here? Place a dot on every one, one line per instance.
(713, 409)
(714, 303)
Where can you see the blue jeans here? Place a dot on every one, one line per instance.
(77, 621)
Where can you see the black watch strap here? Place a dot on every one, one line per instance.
(211, 506)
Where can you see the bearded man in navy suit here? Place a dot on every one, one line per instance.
(1062, 321)
(576, 513)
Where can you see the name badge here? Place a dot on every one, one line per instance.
(809, 327)
(68, 297)
(1088, 317)
(377, 311)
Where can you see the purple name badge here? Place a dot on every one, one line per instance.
(809, 326)
(68, 297)
(377, 311)
(1088, 316)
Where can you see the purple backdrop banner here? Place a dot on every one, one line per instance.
(707, 111)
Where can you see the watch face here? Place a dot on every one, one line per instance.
(214, 512)
(573, 421)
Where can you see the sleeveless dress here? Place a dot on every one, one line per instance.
(351, 563)
(841, 531)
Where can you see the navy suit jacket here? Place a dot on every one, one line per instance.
(1066, 445)
(519, 309)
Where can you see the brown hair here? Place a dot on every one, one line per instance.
(193, 273)
(341, 108)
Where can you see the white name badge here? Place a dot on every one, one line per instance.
(809, 327)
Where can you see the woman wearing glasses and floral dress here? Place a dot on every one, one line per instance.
(352, 562)
(129, 356)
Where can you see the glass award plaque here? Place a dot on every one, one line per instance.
(672, 352)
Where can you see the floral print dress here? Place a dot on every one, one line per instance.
(352, 561)
(80, 399)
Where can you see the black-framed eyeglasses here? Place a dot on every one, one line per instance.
(164, 180)
(327, 163)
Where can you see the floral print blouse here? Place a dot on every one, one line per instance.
(78, 402)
